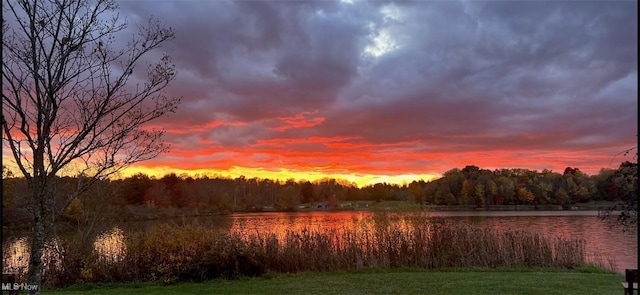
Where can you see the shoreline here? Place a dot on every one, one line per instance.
(144, 213)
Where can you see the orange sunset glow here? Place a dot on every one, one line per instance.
(372, 92)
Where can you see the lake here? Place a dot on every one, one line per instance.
(618, 250)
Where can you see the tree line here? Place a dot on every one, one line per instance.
(470, 186)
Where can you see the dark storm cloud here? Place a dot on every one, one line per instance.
(452, 75)
(483, 67)
(267, 57)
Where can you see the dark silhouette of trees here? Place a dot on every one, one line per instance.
(416, 188)
(66, 106)
(133, 189)
(623, 187)
(478, 188)
(306, 192)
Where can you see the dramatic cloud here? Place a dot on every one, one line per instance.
(359, 88)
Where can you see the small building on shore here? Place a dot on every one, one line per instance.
(321, 205)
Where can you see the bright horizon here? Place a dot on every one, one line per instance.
(282, 175)
(374, 92)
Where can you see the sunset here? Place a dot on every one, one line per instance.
(315, 147)
(394, 92)
(376, 91)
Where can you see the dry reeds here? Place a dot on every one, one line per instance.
(194, 253)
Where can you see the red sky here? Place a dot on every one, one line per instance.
(374, 91)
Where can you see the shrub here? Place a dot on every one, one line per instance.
(170, 253)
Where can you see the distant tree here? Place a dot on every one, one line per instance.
(471, 172)
(561, 197)
(306, 192)
(6, 172)
(354, 193)
(489, 188)
(546, 187)
(417, 190)
(454, 179)
(451, 200)
(603, 185)
(582, 183)
(225, 202)
(332, 201)
(174, 188)
(8, 188)
(542, 192)
(524, 195)
(133, 188)
(442, 193)
(288, 198)
(624, 183)
(430, 189)
(66, 106)
(380, 192)
(468, 191)
(506, 188)
(157, 195)
(570, 183)
(479, 191)
(570, 170)
(491, 191)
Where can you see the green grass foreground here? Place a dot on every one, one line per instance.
(394, 281)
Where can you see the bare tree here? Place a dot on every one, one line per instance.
(623, 184)
(67, 106)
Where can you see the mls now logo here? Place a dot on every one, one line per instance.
(18, 287)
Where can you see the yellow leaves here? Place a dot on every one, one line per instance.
(525, 195)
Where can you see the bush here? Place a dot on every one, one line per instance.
(171, 253)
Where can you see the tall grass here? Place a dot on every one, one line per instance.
(194, 252)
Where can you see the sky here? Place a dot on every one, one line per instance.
(381, 91)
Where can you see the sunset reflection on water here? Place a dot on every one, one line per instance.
(280, 223)
(606, 246)
(15, 256)
(110, 245)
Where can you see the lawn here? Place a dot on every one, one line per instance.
(401, 281)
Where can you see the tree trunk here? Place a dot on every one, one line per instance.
(43, 192)
(34, 277)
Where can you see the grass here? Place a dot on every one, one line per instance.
(385, 281)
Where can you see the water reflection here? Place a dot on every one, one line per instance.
(279, 223)
(110, 245)
(15, 256)
(604, 245)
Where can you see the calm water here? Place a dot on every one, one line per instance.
(603, 244)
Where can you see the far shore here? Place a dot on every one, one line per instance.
(20, 218)
(393, 206)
